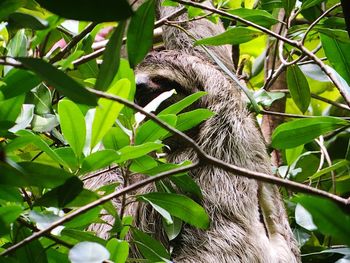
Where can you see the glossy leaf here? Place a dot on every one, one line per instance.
(107, 111)
(329, 169)
(9, 6)
(60, 196)
(232, 36)
(18, 81)
(26, 137)
(32, 174)
(97, 11)
(9, 111)
(59, 80)
(140, 32)
(182, 104)
(181, 207)
(309, 3)
(150, 131)
(73, 125)
(338, 55)
(191, 119)
(115, 139)
(149, 247)
(329, 218)
(297, 132)
(88, 252)
(133, 152)
(298, 87)
(23, 20)
(98, 160)
(260, 17)
(111, 59)
(118, 249)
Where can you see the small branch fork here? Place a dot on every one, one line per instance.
(297, 44)
(203, 160)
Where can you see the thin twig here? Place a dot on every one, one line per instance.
(75, 40)
(100, 51)
(318, 20)
(293, 43)
(317, 97)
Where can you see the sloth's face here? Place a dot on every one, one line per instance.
(161, 72)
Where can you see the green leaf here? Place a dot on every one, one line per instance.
(142, 164)
(309, 3)
(82, 236)
(180, 206)
(98, 160)
(182, 104)
(88, 252)
(186, 184)
(60, 196)
(329, 218)
(107, 111)
(232, 36)
(9, 6)
(26, 137)
(149, 247)
(118, 249)
(172, 231)
(10, 109)
(23, 20)
(133, 152)
(73, 125)
(32, 174)
(17, 46)
(18, 81)
(288, 5)
(338, 55)
(331, 168)
(115, 139)
(297, 132)
(140, 32)
(337, 34)
(97, 11)
(9, 214)
(191, 119)
(150, 131)
(260, 17)
(59, 80)
(111, 59)
(165, 214)
(298, 87)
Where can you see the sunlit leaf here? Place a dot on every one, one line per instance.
(338, 55)
(298, 87)
(9, 6)
(18, 81)
(59, 80)
(98, 160)
(182, 207)
(133, 152)
(297, 132)
(191, 119)
(118, 249)
(150, 131)
(260, 17)
(73, 125)
(309, 3)
(182, 104)
(149, 247)
(232, 36)
(23, 20)
(329, 218)
(107, 111)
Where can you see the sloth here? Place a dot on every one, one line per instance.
(248, 219)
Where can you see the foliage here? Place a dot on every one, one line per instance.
(56, 131)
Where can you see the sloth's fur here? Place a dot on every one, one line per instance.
(248, 220)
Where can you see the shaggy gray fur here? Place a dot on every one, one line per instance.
(234, 203)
